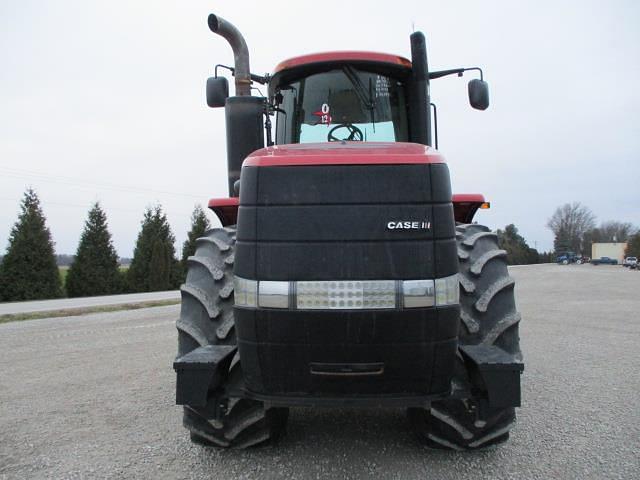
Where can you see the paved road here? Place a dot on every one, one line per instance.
(92, 397)
(68, 303)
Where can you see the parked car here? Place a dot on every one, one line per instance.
(604, 261)
(630, 262)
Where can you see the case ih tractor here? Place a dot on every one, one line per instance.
(346, 274)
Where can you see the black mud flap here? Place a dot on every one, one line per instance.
(201, 370)
(496, 372)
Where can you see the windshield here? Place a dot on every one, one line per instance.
(342, 104)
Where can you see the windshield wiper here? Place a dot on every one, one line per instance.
(366, 98)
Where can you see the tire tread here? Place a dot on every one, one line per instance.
(206, 318)
(488, 316)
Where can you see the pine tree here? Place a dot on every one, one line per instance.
(633, 246)
(562, 242)
(95, 268)
(518, 251)
(199, 225)
(155, 234)
(159, 275)
(29, 270)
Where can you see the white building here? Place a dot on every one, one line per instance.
(611, 250)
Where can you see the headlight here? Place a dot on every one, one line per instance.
(273, 294)
(447, 290)
(245, 292)
(346, 294)
(418, 293)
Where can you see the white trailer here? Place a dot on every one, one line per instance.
(611, 250)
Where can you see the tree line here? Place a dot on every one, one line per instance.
(29, 270)
(574, 228)
(518, 251)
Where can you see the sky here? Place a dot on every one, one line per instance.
(104, 101)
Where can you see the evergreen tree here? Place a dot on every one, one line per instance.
(562, 242)
(547, 257)
(518, 252)
(199, 225)
(29, 270)
(633, 246)
(155, 235)
(159, 275)
(95, 268)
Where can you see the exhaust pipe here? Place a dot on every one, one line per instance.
(232, 35)
(420, 108)
(243, 113)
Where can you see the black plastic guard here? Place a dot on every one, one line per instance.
(497, 372)
(199, 371)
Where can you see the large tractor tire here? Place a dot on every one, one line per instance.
(206, 318)
(488, 316)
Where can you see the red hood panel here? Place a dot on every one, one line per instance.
(350, 56)
(343, 153)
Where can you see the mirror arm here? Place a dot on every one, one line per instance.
(454, 71)
(261, 79)
(215, 71)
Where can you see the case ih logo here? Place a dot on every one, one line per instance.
(409, 225)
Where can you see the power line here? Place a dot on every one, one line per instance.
(76, 182)
(46, 204)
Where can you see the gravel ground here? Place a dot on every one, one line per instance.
(92, 397)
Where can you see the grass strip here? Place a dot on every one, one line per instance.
(73, 312)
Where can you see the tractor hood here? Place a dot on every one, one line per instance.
(331, 211)
(344, 153)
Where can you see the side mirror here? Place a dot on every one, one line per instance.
(217, 91)
(479, 94)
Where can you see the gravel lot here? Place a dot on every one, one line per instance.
(92, 397)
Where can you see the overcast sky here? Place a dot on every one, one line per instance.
(104, 100)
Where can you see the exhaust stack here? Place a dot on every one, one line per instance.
(232, 35)
(243, 113)
(420, 108)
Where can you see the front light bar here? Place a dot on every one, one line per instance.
(347, 294)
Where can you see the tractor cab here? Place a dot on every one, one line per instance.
(341, 96)
(336, 97)
(349, 96)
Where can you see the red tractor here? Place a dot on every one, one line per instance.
(345, 273)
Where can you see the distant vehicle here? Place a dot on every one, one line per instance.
(630, 262)
(569, 257)
(604, 261)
